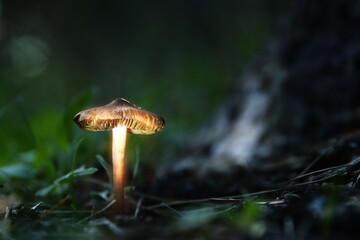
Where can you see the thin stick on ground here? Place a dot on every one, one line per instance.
(172, 209)
(138, 205)
(98, 212)
(240, 197)
(44, 215)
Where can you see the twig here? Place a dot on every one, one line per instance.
(234, 198)
(226, 210)
(100, 211)
(138, 207)
(316, 160)
(147, 196)
(181, 202)
(237, 198)
(172, 209)
(320, 171)
(36, 206)
(44, 215)
(7, 212)
(5, 226)
(272, 202)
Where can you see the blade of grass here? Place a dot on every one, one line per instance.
(136, 163)
(108, 170)
(51, 171)
(98, 212)
(4, 109)
(324, 153)
(66, 179)
(138, 205)
(75, 105)
(73, 204)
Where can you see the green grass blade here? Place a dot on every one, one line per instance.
(107, 168)
(73, 204)
(78, 103)
(51, 171)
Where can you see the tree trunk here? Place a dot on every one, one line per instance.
(304, 89)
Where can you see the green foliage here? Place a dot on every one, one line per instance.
(106, 167)
(41, 151)
(65, 131)
(329, 211)
(62, 184)
(248, 219)
(17, 170)
(105, 195)
(41, 147)
(195, 218)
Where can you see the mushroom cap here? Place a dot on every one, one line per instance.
(119, 112)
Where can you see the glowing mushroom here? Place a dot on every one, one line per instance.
(121, 117)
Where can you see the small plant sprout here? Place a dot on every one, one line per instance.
(121, 117)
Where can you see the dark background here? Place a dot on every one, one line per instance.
(179, 59)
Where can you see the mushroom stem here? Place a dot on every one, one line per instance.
(118, 159)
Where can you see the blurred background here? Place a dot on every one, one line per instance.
(179, 59)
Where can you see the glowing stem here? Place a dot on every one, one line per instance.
(118, 159)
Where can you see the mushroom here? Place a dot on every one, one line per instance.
(121, 117)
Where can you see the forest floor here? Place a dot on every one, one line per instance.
(308, 195)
